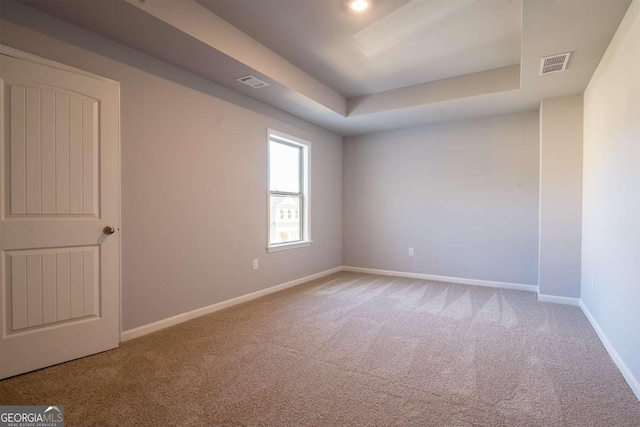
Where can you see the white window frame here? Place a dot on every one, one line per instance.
(305, 190)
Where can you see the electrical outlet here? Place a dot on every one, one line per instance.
(255, 264)
(410, 251)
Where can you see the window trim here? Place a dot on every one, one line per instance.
(305, 190)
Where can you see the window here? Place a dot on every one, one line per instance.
(288, 179)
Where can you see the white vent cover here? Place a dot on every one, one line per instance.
(252, 81)
(554, 63)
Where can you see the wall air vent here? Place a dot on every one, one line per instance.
(252, 81)
(554, 63)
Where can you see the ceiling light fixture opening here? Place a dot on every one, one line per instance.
(359, 5)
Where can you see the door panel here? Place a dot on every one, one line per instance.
(53, 146)
(60, 274)
(52, 285)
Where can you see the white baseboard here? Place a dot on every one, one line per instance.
(476, 282)
(183, 317)
(622, 367)
(559, 300)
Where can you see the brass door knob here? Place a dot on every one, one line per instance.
(109, 230)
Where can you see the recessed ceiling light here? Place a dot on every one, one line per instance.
(359, 5)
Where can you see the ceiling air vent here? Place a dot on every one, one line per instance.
(252, 81)
(554, 63)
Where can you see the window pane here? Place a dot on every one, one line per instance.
(284, 167)
(285, 219)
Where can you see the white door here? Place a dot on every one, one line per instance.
(59, 189)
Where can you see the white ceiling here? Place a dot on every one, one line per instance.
(395, 44)
(313, 53)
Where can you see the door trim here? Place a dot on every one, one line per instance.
(26, 56)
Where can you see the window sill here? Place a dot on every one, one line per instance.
(287, 246)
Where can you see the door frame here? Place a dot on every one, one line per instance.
(26, 56)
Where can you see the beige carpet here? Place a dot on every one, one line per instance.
(351, 349)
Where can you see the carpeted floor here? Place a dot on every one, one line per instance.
(351, 349)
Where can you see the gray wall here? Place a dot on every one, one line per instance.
(464, 195)
(194, 207)
(611, 198)
(560, 196)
